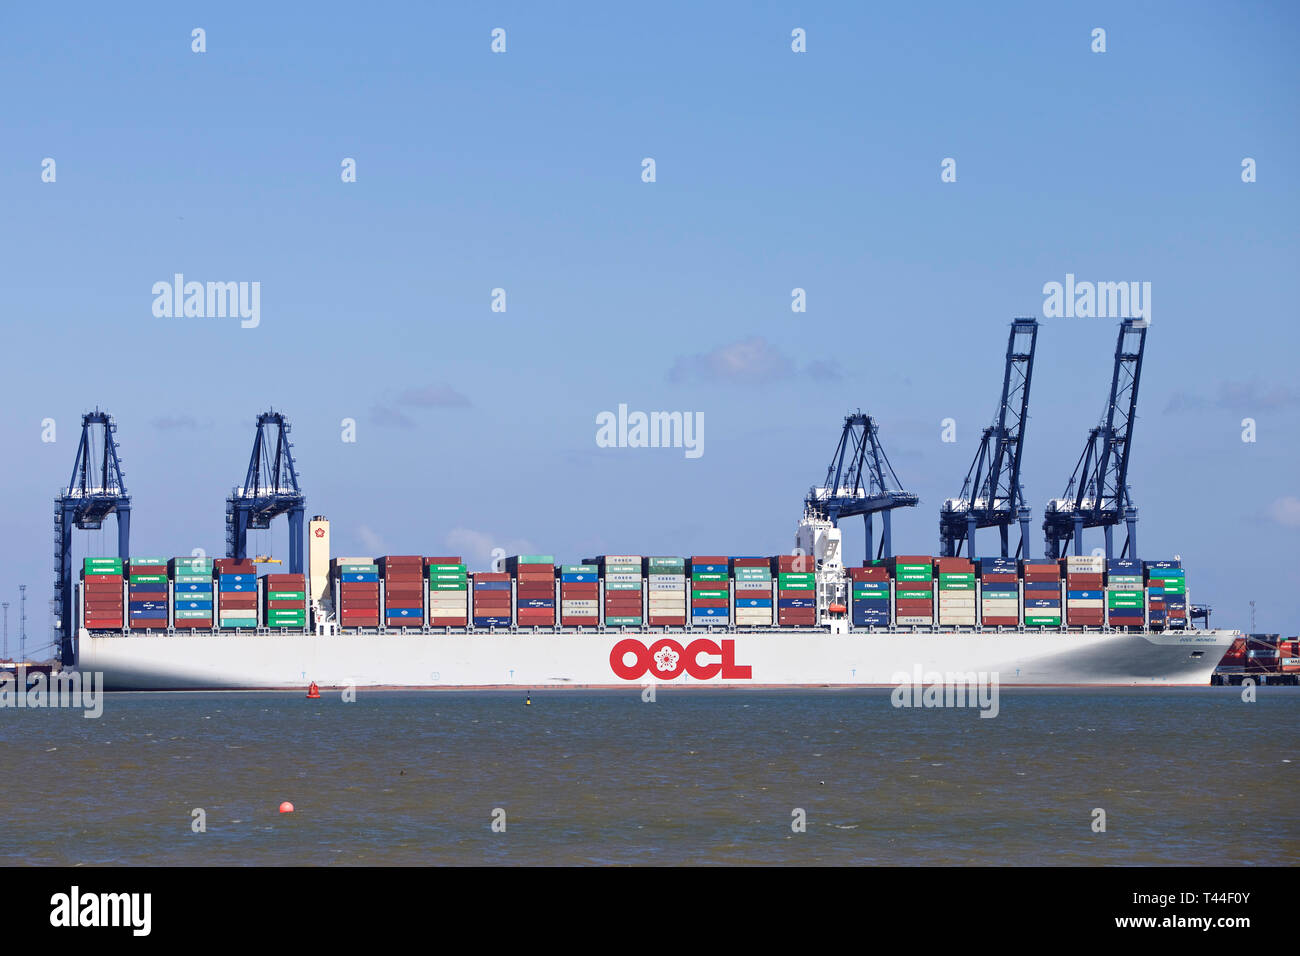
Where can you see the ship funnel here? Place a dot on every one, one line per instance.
(318, 561)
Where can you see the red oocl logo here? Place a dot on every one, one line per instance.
(666, 659)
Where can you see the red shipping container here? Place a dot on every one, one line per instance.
(536, 590)
(801, 593)
(709, 602)
(666, 620)
(448, 621)
(954, 565)
(913, 603)
(579, 592)
(752, 562)
(529, 616)
(1001, 621)
(490, 576)
(284, 605)
(999, 578)
(571, 621)
(445, 560)
(358, 614)
(238, 600)
(796, 563)
(404, 591)
(114, 579)
(709, 559)
(869, 574)
(194, 622)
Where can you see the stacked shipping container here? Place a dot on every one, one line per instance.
(623, 595)
(913, 589)
(1042, 581)
(1169, 579)
(1125, 599)
(236, 592)
(193, 602)
(403, 578)
(869, 600)
(665, 579)
(752, 584)
(796, 591)
(999, 592)
(710, 590)
(358, 590)
(1085, 598)
(956, 591)
(285, 600)
(491, 598)
(448, 591)
(534, 576)
(101, 594)
(579, 595)
(147, 592)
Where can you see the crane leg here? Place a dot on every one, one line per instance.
(1110, 543)
(1024, 533)
(886, 538)
(1078, 534)
(970, 537)
(1131, 518)
(295, 541)
(866, 523)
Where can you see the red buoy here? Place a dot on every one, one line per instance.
(286, 807)
(313, 693)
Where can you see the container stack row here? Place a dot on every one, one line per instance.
(286, 600)
(403, 592)
(193, 599)
(491, 598)
(665, 579)
(534, 579)
(1167, 579)
(1125, 597)
(752, 580)
(358, 591)
(913, 589)
(796, 591)
(580, 595)
(1085, 598)
(710, 590)
(147, 593)
(621, 574)
(869, 601)
(999, 592)
(102, 580)
(956, 577)
(1042, 581)
(448, 591)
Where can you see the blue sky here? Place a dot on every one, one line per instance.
(522, 171)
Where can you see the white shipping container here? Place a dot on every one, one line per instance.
(916, 620)
(1082, 603)
(583, 604)
(623, 577)
(622, 559)
(754, 586)
(659, 583)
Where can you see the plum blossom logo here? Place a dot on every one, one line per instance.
(666, 659)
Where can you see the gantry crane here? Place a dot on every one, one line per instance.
(858, 482)
(95, 490)
(270, 489)
(991, 495)
(1098, 495)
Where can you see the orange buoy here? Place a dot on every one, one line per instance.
(313, 693)
(286, 807)
(837, 609)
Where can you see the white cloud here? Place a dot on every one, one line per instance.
(1286, 511)
(477, 546)
(373, 542)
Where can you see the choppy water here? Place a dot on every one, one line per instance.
(1185, 776)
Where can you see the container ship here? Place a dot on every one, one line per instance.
(790, 620)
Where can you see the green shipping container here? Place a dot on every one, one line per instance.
(915, 595)
(957, 577)
(286, 595)
(193, 615)
(710, 594)
(667, 562)
(192, 578)
(620, 621)
(708, 576)
(358, 568)
(144, 561)
(536, 559)
(148, 579)
(871, 595)
(449, 585)
(622, 585)
(1043, 621)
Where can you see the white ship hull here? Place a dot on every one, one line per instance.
(533, 660)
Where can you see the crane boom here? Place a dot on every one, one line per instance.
(992, 496)
(1098, 495)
